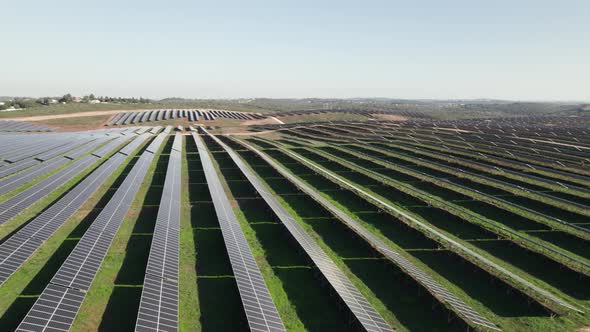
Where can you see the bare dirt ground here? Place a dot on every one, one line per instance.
(391, 117)
(270, 120)
(453, 129)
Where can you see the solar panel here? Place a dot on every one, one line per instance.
(39, 148)
(107, 148)
(158, 308)
(130, 118)
(61, 150)
(367, 316)
(177, 145)
(155, 144)
(55, 310)
(142, 130)
(458, 305)
(16, 204)
(153, 114)
(144, 116)
(30, 174)
(76, 153)
(19, 247)
(123, 118)
(11, 125)
(258, 305)
(76, 274)
(131, 147)
(114, 119)
(13, 168)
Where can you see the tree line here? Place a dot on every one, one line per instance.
(68, 98)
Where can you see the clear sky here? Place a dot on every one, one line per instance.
(518, 49)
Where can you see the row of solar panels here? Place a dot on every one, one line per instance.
(362, 310)
(60, 301)
(494, 160)
(540, 154)
(404, 113)
(11, 125)
(444, 239)
(14, 148)
(415, 272)
(261, 313)
(76, 274)
(37, 167)
(125, 118)
(158, 309)
(21, 245)
(22, 151)
(14, 205)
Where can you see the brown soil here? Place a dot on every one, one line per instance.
(391, 117)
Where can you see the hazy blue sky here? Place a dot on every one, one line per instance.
(409, 49)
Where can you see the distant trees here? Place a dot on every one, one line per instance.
(67, 98)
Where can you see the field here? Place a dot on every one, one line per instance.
(335, 221)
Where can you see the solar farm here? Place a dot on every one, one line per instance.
(216, 220)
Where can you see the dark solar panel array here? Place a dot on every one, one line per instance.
(10, 125)
(123, 119)
(114, 119)
(366, 315)
(107, 148)
(26, 151)
(78, 271)
(55, 310)
(155, 130)
(62, 149)
(439, 292)
(39, 147)
(131, 147)
(190, 114)
(16, 204)
(130, 118)
(76, 153)
(155, 144)
(259, 308)
(13, 168)
(158, 309)
(30, 174)
(153, 116)
(142, 130)
(20, 246)
(144, 116)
